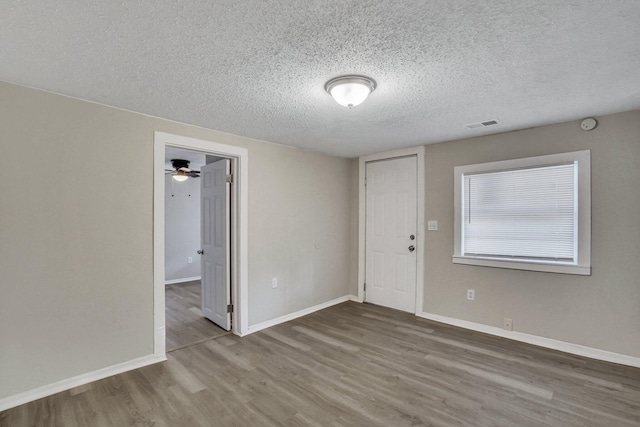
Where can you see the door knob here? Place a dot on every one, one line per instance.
(412, 248)
(200, 251)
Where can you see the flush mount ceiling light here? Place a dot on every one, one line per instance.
(350, 91)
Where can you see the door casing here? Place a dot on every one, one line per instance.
(362, 215)
(239, 227)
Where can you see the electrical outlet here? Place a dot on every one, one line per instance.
(190, 260)
(274, 282)
(507, 324)
(432, 225)
(471, 294)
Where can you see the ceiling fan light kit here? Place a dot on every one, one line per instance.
(182, 171)
(350, 90)
(180, 177)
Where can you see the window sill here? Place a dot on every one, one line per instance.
(520, 265)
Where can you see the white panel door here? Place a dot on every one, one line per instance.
(215, 231)
(391, 221)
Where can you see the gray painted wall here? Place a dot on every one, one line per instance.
(76, 254)
(182, 228)
(601, 310)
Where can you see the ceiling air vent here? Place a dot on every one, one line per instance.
(482, 124)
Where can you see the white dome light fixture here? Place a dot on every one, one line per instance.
(350, 91)
(180, 176)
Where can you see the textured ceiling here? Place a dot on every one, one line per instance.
(258, 68)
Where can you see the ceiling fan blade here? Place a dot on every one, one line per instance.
(194, 174)
(185, 170)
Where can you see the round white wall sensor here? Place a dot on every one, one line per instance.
(589, 123)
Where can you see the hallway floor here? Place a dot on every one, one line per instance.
(185, 325)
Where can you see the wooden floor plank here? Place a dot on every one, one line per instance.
(185, 324)
(352, 365)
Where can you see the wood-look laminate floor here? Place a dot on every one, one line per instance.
(353, 365)
(184, 322)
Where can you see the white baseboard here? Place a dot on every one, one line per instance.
(186, 279)
(66, 384)
(287, 317)
(566, 347)
(355, 298)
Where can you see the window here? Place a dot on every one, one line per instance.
(527, 214)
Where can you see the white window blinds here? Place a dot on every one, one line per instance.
(522, 214)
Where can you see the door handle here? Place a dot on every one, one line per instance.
(412, 248)
(200, 251)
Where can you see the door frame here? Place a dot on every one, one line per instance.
(417, 152)
(239, 228)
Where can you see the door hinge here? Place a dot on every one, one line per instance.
(230, 308)
(229, 178)
(365, 286)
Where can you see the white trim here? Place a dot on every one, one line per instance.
(239, 212)
(355, 298)
(582, 266)
(69, 383)
(522, 265)
(186, 279)
(579, 350)
(418, 152)
(288, 317)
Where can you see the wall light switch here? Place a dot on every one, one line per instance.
(432, 225)
(274, 282)
(190, 260)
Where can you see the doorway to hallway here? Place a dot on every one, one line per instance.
(237, 238)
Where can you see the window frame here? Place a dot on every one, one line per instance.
(582, 265)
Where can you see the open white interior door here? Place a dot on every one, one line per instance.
(215, 239)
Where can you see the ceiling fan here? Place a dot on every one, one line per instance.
(182, 171)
